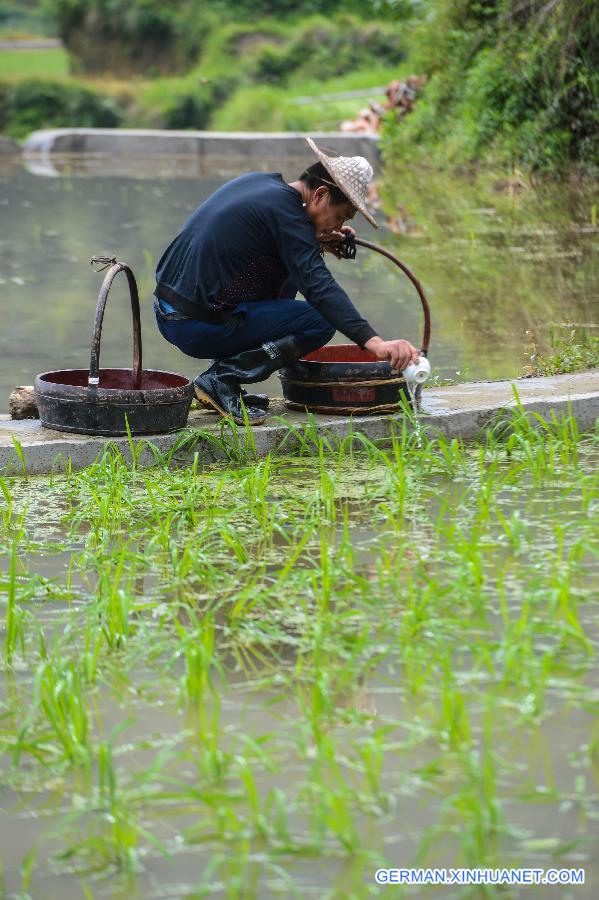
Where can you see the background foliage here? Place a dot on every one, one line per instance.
(509, 81)
(514, 80)
(23, 106)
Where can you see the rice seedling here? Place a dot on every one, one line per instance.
(18, 448)
(58, 696)
(14, 622)
(322, 647)
(10, 521)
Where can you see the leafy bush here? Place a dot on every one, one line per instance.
(150, 35)
(247, 64)
(274, 64)
(120, 36)
(191, 109)
(508, 80)
(29, 105)
(260, 108)
(272, 108)
(322, 48)
(286, 8)
(573, 349)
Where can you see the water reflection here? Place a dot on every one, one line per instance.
(494, 264)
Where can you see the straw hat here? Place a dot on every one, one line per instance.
(351, 174)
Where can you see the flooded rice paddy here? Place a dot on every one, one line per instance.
(274, 677)
(495, 263)
(271, 680)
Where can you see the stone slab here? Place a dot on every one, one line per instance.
(460, 411)
(253, 147)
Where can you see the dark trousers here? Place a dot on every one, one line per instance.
(251, 325)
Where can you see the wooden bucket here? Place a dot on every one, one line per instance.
(345, 380)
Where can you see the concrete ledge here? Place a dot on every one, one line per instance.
(30, 44)
(461, 412)
(251, 146)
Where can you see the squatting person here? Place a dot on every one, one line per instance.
(226, 285)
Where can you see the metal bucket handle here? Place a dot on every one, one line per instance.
(94, 364)
(426, 337)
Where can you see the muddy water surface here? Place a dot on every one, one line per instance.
(495, 264)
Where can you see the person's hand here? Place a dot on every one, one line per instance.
(400, 353)
(329, 240)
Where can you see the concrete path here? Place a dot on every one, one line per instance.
(253, 147)
(460, 411)
(30, 44)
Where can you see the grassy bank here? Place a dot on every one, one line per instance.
(509, 83)
(573, 349)
(20, 65)
(249, 681)
(246, 75)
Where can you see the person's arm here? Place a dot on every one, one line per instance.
(400, 353)
(300, 253)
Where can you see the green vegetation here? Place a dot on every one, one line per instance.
(272, 108)
(119, 37)
(573, 349)
(26, 104)
(23, 18)
(509, 81)
(256, 676)
(249, 74)
(116, 36)
(20, 65)
(246, 75)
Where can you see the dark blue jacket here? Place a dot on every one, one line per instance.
(256, 221)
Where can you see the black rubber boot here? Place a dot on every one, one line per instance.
(220, 385)
(261, 401)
